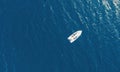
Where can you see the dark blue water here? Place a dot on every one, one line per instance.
(33, 36)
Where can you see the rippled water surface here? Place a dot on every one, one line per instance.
(33, 36)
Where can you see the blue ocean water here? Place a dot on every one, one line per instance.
(33, 36)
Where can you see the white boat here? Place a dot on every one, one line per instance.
(74, 36)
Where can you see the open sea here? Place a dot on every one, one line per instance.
(33, 35)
